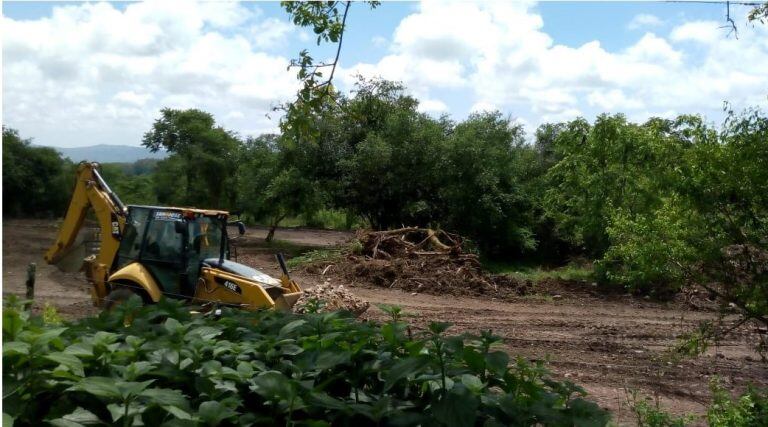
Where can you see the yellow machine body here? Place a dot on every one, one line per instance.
(106, 272)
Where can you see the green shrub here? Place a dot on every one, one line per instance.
(333, 219)
(269, 368)
(648, 251)
(649, 414)
(749, 409)
(317, 255)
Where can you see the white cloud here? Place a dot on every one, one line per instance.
(271, 33)
(92, 71)
(379, 41)
(432, 106)
(482, 106)
(132, 98)
(644, 20)
(698, 31)
(503, 58)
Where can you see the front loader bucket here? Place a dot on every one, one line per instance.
(285, 302)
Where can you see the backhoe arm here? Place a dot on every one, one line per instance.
(91, 192)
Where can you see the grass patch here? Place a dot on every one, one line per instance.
(317, 255)
(538, 273)
(286, 247)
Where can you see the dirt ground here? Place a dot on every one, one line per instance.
(611, 346)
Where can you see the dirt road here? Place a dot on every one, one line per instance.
(610, 346)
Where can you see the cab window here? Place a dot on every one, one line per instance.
(205, 237)
(163, 242)
(130, 245)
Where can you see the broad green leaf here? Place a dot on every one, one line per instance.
(402, 369)
(213, 413)
(184, 364)
(497, 362)
(474, 359)
(12, 323)
(118, 411)
(178, 413)
(327, 401)
(438, 327)
(15, 347)
(273, 385)
(290, 327)
(80, 417)
(245, 370)
(204, 332)
(72, 363)
(472, 382)
(172, 325)
(165, 397)
(46, 336)
(7, 419)
(132, 388)
(80, 349)
(98, 386)
(137, 369)
(290, 349)
(457, 408)
(331, 358)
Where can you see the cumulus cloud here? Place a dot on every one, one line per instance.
(94, 73)
(92, 70)
(698, 31)
(432, 106)
(503, 58)
(644, 20)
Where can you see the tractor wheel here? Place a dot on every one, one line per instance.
(118, 296)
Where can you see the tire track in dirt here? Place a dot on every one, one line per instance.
(607, 347)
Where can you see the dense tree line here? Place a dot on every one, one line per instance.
(36, 180)
(654, 204)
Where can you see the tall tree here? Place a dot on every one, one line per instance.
(37, 182)
(206, 150)
(271, 189)
(483, 172)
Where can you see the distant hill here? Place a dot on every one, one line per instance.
(103, 153)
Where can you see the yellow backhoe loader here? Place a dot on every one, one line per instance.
(157, 252)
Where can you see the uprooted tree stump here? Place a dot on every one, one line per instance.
(422, 260)
(409, 241)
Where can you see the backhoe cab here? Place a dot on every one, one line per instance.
(155, 251)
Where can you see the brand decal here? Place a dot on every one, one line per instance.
(167, 216)
(115, 227)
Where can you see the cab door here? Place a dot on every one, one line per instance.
(163, 252)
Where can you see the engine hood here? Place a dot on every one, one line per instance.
(242, 270)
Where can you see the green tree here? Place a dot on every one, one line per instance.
(132, 189)
(269, 188)
(207, 153)
(37, 182)
(606, 167)
(328, 21)
(483, 170)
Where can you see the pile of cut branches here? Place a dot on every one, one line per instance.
(409, 241)
(423, 260)
(326, 297)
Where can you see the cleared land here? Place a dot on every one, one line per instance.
(608, 344)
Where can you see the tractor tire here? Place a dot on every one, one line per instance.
(118, 296)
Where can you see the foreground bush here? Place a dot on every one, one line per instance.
(749, 409)
(159, 365)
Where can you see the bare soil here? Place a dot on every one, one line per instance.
(610, 345)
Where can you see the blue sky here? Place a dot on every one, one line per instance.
(80, 74)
